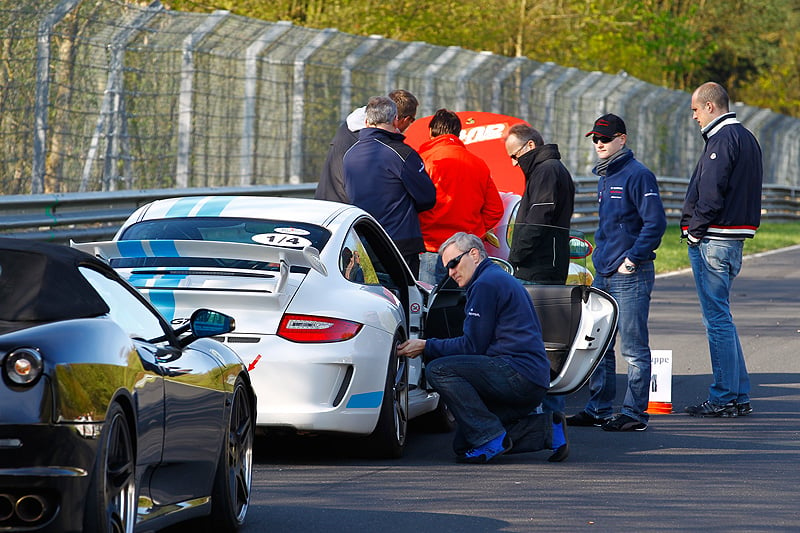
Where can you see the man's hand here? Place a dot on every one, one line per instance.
(411, 348)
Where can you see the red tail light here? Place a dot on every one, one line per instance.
(307, 328)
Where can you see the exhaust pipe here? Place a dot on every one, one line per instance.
(31, 508)
(6, 506)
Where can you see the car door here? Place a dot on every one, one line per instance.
(388, 267)
(578, 322)
(139, 322)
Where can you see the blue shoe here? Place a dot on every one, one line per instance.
(488, 451)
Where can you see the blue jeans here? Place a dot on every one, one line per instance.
(715, 263)
(632, 293)
(485, 394)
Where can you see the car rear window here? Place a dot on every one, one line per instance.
(276, 233)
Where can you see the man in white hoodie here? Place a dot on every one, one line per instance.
(331, 181)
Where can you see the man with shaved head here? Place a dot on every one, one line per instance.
(722, 208)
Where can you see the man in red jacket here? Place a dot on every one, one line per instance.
(466, 197)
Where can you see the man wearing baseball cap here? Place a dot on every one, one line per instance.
(631, 224)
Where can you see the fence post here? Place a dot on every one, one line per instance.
(298, 103)
(43, 91)
(186, 97)
(502, 76)
(430, 74)
(525, 89)
(346, 99)
(249, 104)
(395, 64)
(110, 117)
(465, 75)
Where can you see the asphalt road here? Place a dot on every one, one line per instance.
(683, 473)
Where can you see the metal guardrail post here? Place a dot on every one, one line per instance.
(186, 95)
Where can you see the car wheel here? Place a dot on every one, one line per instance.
(389, 438)
(231, 496)
(111, 502)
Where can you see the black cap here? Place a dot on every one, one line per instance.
(608, 126)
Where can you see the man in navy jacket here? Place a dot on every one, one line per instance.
(631, 224)
(497, 372)
(386, 178)
(722, 208)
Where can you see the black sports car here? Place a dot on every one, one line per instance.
(110, 419)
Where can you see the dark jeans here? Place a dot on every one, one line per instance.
(485, 394)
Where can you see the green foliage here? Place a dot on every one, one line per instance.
(750, 46)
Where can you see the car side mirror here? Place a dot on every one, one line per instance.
(205, 323)
(208, 323)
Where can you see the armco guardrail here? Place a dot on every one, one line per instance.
(98, 215)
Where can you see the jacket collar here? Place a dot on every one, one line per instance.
(719, 123)
(378, 133)
(529, 160)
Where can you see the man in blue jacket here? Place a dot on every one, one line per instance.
(497, 372)
(722, 208)
(631, 224)
(386, 178)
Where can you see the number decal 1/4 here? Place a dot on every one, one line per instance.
(282, 239)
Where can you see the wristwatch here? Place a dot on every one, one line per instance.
(630, 267)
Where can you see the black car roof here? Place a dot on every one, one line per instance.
(40, 282)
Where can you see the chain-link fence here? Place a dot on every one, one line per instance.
(106, 94)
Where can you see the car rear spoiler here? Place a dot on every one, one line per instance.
(286, 257)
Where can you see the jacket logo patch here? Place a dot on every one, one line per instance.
(713, 155)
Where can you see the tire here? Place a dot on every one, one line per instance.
(111, 502)
(231, 494)
(440, 420)
(389, 438)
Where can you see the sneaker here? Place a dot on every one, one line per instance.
(488, 451)
(624, 423)
(584, 419)
(707, 408)
(561, 452)
(743, 409)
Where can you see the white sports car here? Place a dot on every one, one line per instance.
(321, 298)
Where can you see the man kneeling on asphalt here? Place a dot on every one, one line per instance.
(495, 375)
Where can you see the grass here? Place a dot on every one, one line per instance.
(671, 255)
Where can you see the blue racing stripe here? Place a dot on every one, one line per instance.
(140, 281)
(183, 207)
(131, 249)
(164, 249)
(367, 400)
(214, 206)
(164, 302)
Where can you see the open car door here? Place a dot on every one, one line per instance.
(577, 320)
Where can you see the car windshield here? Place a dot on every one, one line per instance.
(276, 233)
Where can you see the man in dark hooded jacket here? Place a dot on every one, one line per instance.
(540, 245)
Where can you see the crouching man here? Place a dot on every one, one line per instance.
(495, 375)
